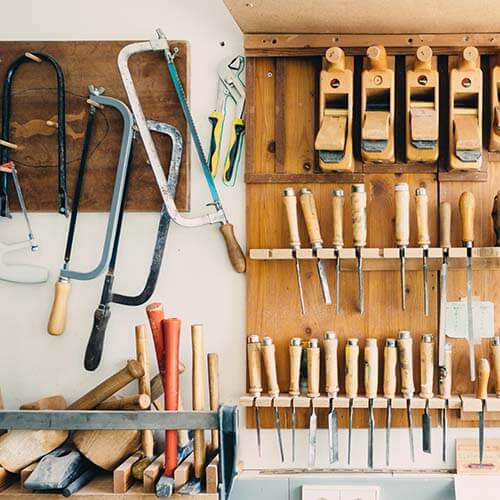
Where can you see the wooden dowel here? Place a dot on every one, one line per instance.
(31, 56)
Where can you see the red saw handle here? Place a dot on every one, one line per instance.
(155, 316)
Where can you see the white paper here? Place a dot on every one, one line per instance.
(482, 319)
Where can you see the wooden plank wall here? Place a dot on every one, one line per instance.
(281, 127)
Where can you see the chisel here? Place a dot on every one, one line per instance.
(330, 345)
(402, 196)
(422, 209)
(495, 351)
(290, 201)
(254, 361)
(445, 241)
(482, 394)
(338, 239)
(312, 223)
(405, 352)
(358, 214)
(313, 392)
(390, 360)
(269, 358)
(371, 385)
(467, 206)
(445, 377)
(295, 350)
(351, 383)
(426, 387)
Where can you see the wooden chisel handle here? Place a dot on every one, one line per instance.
(351, 368)
(422, 209)
(106, 389)
(290, 201)
(483, 378)
(390, 361)
(426, 367)
(198, 397)
(358, 213)
(213, 389)
(445, 374)
(338, 218)
(234, 251)
(467, 207)
(295, 351)
(495, 351)
(311, 217)
(254, 360)
(269, 358)
(330, 346)
(495, 215)
(405, 351)
(445, 224)
(402, 200)
(313, 362)
(156, 315)
(59, 311)
(371, 368)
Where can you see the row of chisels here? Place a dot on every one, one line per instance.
(305, 359)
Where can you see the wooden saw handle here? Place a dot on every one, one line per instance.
(422, 209)
(290, 201)
(358, 213)
(390, 361)
(330, 346)
(313, 369)
(295, 352)
(351, 368)
(467, 207)
(405, 351)
(426, 367)
(59, 311)
(338, 218)
(402, 198)
(213, 389)
(371, 368)
(445, 374)
(234, 251)
(483, 378)
(311, 217)
(254, 360)
(445, 224)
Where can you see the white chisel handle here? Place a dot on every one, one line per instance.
(422, 209)
(254, 360)
(358, 213)
(405, 351)
(351, 368)
(313, 368)
(445, 375)
(269, 358)
(402, 200)
(371, 368)
(311, 217)
(295, 351)
(338, 218)
(330, 346)
(390, 361)
(426, 367)
(445, 224)
(290, 201)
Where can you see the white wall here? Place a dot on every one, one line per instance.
(197, 283)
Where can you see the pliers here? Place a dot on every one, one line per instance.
(231, 88)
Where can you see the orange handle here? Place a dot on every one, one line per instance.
(155, 316)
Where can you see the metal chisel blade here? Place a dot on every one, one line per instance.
(323, 281)
(313, 425)
(370, 433)
(402, 273)
(481, 433)
(294, 426)
(388, 424)
(426, 429)
(426, 281)
(350, 433)
(444, 424)
(333, 436)
(410, 428)
(299, 284)
(278, 432)
(337, 281)
(470, 326)
(442, 311)
(361, 290)
(257, 427)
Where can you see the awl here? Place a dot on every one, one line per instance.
(371, 385)
(295, 351)
(402, 198)
(338, 239)
(254, 362)
(482, 394)
(313, 393)
(445, 242)
(405, 352)
(467, 205)
(290, 201)
(269, 358)
(445, 378)
(426, 387)
(330, 345)
(390, 360)
(424, 240)
(351, 384)
(312, 223)
(359, 235)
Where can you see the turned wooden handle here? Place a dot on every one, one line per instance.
(358, 212)
(405, 351)
(445, 373)
(269, 358)
(469, 59)
(338, 218)
(351, 368)
(467, 207)
(313, 353)
(290, 201)
(234, 251)
(295, 351)
(422, 209)
(59, 311)
(423, 58)
(371, 368)
(495, 214)
(377, 57)
(390, 361)
(213, 391)
(254, 360)
(495, 351)
(106, 389)
(156, 315)
(330, 346)
(426, 367)
(482, 379)
(198, 397)
(336, 58)
(132, 402)
(445, 224)
(311, 217)
(402, 198)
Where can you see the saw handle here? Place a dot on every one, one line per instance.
(445, 373)
(93, 353)
(371, 368)
(351, 369)
(234, 153)
(405, 351)
(402, 200)
(295, 352)
(483, 378)
(313, 369)
(330, 346)
(358, 213)
(467, 207)
(311, 217)
(390, 361)
(234, 250)
(216, 120)
(290, 201)
(445, 224)
(213, 390)
(422, 209)
(269, 358)
(59, 311)
(338, 218)
(495, 214)
(254, 360)
(426, 368)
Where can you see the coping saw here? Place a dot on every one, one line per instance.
(57, 320)
(219, 217)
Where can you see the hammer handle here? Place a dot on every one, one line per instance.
(144, 383)
(213, 389)
(198, 397)
(155, 315)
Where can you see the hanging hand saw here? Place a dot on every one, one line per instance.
(57, 320)
(218, 217)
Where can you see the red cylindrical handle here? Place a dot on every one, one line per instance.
(155, 316)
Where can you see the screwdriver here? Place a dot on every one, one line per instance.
(358, 212)
(405, 352)
(482, 394)
(255, 379)
(295, 350)
(445, 378)
(269, 358)
(426, 386)
(313, 353)
(445, 241)
(390, 360)
(422, 209)
(338, 239)
(330, 344)
(311, 217)
(371, 385)
(351, 383)
(290, 201)
(402, 196)
(467, 206)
